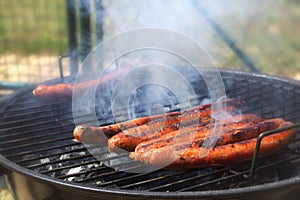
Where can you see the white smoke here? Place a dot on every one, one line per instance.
(158, 49)
(182, 16)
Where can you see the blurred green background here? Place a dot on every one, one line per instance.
(33, 27)
(34, 33)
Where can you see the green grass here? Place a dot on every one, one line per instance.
(30, 26)
(270, 36)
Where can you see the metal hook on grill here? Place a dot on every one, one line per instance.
(74, 62)
(60, 65)
(258, 143)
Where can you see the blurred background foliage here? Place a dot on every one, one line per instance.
(33, 27)
(34, 33)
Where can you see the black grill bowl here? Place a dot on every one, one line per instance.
(38, 152)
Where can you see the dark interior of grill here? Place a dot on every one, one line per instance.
(37, 134)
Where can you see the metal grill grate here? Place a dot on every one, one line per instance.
(37, 135)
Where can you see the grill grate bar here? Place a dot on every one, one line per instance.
(262, 105)
(25, 126)
(41, 136)
(31, 112)
(112, 173)
(236, 174)
(50, 155)
(149, 181)
(214, 181)
(31, 105)
(253, 87)
(48, 128)
(23, 153)
(200, 176)
(37, 143)
(102, 160)
(259, 107)
(130, 178)
(24, 102)
(106, 177)
(34, 127)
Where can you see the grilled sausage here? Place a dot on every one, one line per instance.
(65, 90)
(155, 121)
(190, 128)
(252, 131)
(130, 138)
(198, 134)
(90, 134)
(128, 141)
(176, 157)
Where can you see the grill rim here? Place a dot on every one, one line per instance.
(7, 166)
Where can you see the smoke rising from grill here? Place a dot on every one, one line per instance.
(154, 84)
(181, 16)
(154, 81)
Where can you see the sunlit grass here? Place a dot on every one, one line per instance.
(29, 26)
(270, 36)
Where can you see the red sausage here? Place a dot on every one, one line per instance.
(195, 157)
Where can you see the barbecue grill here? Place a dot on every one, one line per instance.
(43, 161)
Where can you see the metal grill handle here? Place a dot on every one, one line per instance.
(258, 143)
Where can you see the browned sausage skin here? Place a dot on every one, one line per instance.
(158, 121)
(196, 134)
(82, 131)
(65, 90)
(130, 138)
(158, 141)
(58, 91)
(194, 157)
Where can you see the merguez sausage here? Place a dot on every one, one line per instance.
(195, 134)
(130, 138)
(65, 90)
(128, 141)
(83, 131)
(195, 157)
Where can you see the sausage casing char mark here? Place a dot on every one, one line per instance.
(195, 157)
(249, 132)
(183, 119)
(82, 131)
(197, 134)
(128, 141)
(130, 138)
